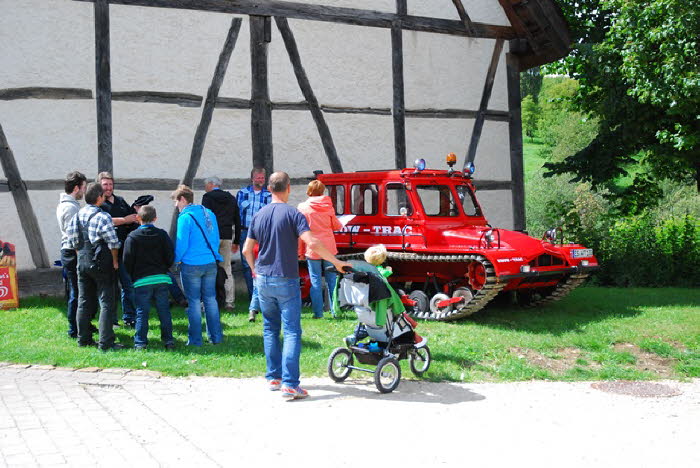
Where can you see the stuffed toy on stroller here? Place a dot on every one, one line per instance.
(384, 334)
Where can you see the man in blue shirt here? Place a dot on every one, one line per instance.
(250, 200)
(276, 229)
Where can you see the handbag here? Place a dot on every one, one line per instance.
(221, 275)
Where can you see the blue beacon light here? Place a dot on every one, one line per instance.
(419, 164)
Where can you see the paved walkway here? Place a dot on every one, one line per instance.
(51, 416)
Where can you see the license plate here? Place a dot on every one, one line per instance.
(581, 253)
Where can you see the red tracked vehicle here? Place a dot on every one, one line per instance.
(440, 245)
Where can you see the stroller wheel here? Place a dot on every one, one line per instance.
(387, 375)
(338, 363)
(419, 360)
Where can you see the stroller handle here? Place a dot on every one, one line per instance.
(333, 269)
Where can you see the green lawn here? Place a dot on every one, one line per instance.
(596, 333)
(532, 162)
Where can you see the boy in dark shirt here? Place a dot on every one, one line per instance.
(148, 255)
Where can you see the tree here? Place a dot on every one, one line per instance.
(530, 115)
(638, 68)
(531, 83)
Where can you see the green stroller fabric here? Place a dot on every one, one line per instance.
(380, 308)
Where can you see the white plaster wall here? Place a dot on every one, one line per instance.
(449, 72)
(497, 206)
(161, 49)
(479, 11)
(363, 142)
(49, 138)
(296, 144)
(46, 43)
(228, 151)
(346, 65)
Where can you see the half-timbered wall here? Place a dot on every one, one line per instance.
(162, 68)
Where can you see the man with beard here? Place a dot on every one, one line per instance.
(124, 219)
(250, 200)
(68, 207)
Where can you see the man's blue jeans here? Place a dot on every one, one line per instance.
(316, 272)
(252, 288)
(69, 260)
(199, 282)
(143, 295)
(280, 300)
(127, 293)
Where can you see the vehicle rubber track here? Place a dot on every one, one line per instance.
(560, 291)
(481, 297)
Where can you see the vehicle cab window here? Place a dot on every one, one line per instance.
(337, 195)
(437, 200)
(364, 199)
(396, 199)
(469, 204)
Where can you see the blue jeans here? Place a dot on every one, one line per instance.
(199, 282)
(280, 299)
(317, 269)
(127, 293)
(69, 261)
(252, 288)
(143, 295)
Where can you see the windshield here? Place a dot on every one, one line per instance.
(466, 196)
(437, 200)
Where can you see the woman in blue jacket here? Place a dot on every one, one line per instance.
(197, 233)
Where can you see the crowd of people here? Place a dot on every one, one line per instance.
(112, 249)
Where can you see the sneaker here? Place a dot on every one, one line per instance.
(114, 347)
(251, 315)
(130, 324)
(274, 384)
(294, 393)
(420, 341)
(169, 346)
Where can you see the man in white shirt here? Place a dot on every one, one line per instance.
(67, 208)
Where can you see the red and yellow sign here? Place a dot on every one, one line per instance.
(9, 296)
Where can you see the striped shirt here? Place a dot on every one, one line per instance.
(100, 228)
(250, 203)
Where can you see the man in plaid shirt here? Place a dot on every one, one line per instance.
(250, 200)
(90, 227)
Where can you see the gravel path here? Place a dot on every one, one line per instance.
(52, 416)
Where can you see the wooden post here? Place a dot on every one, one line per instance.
(398, 109)
(303, 80)
(515, 132)
(200, 135)
(468, 26)
(261, 113)
(27, 218)
(103, 85)
(483, 106)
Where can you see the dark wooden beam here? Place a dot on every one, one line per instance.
(311, 101)
(103, 87)
(10, 94)
(159, 97)
(200, 135)
(332, 14)
(27, 217)
(398, 110)
(466, 21)
(492, 184)
(166, 185)
(261, 113)
(485, 97)
(515, 134)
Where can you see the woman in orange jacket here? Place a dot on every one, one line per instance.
(320, 214)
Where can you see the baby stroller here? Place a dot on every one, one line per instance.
(384, 334)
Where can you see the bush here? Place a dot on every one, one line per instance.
(643, 251)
